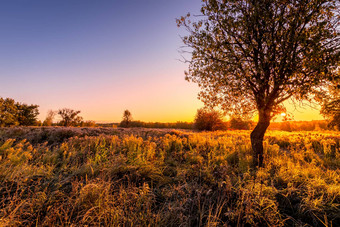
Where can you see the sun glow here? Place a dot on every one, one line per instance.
(283, 114)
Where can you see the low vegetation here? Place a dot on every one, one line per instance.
(110, 177)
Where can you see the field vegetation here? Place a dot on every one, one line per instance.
(142, 177)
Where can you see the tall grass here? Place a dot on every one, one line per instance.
(170, 178)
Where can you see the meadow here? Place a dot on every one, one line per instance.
(147, 177)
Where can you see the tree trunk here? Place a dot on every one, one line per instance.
(256, 137)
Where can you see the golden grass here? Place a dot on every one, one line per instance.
(167, 178)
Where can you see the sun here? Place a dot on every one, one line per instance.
(283, 114)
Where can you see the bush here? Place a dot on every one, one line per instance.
(239, 123)
(209, 120)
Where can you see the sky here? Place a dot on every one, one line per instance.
(100, 57)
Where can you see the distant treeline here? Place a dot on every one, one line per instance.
(300, 125)
(234, 124)
(13, 113)
(175, 125)
(288, 126)
(79, 124)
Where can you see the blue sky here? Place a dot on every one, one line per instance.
(97, 56)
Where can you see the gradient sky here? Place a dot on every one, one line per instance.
(100, 57)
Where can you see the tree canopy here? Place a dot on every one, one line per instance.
(251, 56)
(8, 111)
(15, 113)
(331, 104)
(27, 114)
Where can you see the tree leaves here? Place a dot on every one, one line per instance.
(249, 55)
(15, 113)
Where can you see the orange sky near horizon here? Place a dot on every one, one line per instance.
(162, 95)
(152, 100)
(186, 112)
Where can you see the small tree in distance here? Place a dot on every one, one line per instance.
(49, 118)
(209, 120)
(249, 56)
(69, 117)
(127, 119)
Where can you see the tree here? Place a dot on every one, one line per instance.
(209, 120)
(69, 117)
(331, 105)
(49, 118)
(8, 112)
(253, 55)
(27, 114)
(127, 119)
(15, 113)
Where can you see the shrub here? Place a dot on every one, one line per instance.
(237, 122)
(209, 120)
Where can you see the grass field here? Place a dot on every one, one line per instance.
(139, 177)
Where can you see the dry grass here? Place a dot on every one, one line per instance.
(108, 177)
